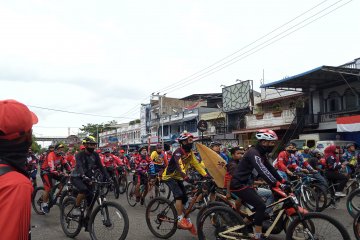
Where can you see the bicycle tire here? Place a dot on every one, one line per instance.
(130, 194)
(322, 196)
(356, 226)
(116, 188)
(64, 218)
(233, 218)
(36, 203)
(353, 210)
(121, 211)
(152, 207)
(122, 184)
(309, 199)
(353, 186)
(313, 216)
(330, 197)
(206, 207)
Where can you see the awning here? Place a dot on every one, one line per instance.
(317, 78)
(348, 124)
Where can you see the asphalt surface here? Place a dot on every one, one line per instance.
(48, 227)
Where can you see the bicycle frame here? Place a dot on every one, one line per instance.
(282, 205)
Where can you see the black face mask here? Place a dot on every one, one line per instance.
(90, 150)
(187, 147)
(268, 149)
(291, 151)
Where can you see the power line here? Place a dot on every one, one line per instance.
(248, 45)
(231, 61)
(79, 113)
(179, 87)
(266, 44)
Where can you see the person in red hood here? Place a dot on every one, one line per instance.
(16, 121)
(333, 167)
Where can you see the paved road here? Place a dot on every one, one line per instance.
(48, 227)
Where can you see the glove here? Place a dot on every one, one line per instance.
(285, 187)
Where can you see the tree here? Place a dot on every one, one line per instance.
(35, 147)
(93, 129)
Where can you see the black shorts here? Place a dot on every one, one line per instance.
(178, 189)
(142, 178)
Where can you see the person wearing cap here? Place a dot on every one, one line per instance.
(159, 159)
(51, 169)
(215, 146)
(306, 153)
(31, 166)
(16, 122)
(349, 158)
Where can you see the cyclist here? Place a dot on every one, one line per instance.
(87, 162)
(333, 167)
(159, 159)
(53, 168)
(350, 159)
(283, 163)
(242, 180)
(175, 174)
(306, 153)
(215, 146)
(141, 167)
(70, 158)
(110, 161)
(31, 166)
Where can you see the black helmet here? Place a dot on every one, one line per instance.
(350, 145)
(89, 139)
(215, 144)
(50, 146)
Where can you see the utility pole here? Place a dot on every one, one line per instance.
(160, 97)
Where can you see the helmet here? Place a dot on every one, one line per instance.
(266, 134)
(51, 146)
(184, 136)
(349, 145)
(59, 145)
(215, 144)
(107, 150)
(89, 139)
(305, 148)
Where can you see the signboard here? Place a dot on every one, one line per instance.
(202, 126)
(237, 96)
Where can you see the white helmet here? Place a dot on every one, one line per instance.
(266, 134)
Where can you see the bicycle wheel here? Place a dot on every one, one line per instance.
(322, 196)
(109, 221)
(353, 203)
(153, 192)
(130, 194)
(309, 199)
(206, 207)
(164, 190)
(356, 226)
(116, 188)
(122, 184)
(36, 200)
(70, 224)
(354, 185)
(217, 220)
(316, 226)
(161, 217)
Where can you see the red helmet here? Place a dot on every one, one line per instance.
(266, 134)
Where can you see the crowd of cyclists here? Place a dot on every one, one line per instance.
(250, 177)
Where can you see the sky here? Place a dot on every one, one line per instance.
(107, 57)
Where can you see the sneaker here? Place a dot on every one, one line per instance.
(45, 208)
(76, 212)
(193, 230)
(340, 194)
(184, 224)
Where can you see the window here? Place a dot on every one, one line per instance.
(349, 99)
(333, 102)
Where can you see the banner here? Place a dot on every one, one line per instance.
(348, 124)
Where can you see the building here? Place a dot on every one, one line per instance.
(125, 135)
(330, 93)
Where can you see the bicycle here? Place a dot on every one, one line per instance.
(114, 185)
(356, 226)
(122, 179)
(101, 221)
(353, 203)
(130, 192)
(37, 196)
(222, 222)
(161, 215)
(305, 194)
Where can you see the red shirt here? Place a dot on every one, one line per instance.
(71, 160)
(15, 205)
(110, 161)
(53, 163)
